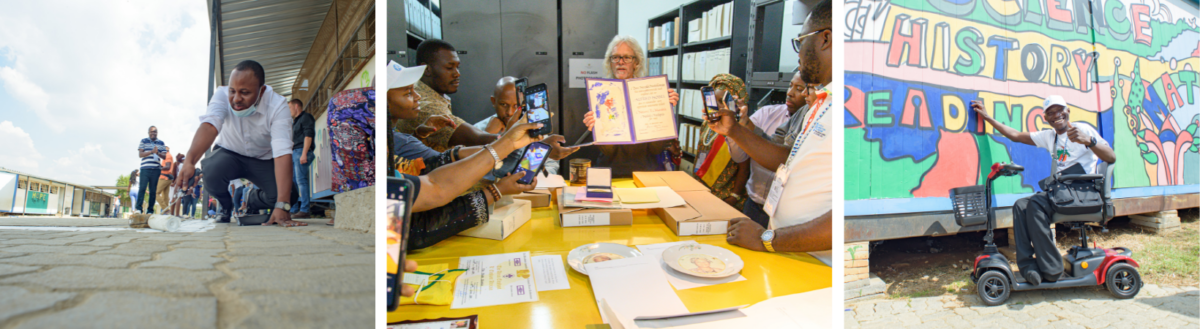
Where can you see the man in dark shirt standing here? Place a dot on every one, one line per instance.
(303, 131)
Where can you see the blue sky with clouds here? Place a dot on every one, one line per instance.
(81, 81)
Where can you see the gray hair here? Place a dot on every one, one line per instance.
(639, 69)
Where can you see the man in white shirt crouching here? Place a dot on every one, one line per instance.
(252, 127)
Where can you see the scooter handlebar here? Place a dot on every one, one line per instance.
(1004, 169)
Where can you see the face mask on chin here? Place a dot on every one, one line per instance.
(248, 111)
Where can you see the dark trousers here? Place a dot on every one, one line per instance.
(147, 187)
(189, 203)
(756, 213)
(223, 165)
(1031, 227)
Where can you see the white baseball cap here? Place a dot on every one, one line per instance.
(398, 76)
(1054, 100)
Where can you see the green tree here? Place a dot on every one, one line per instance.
(123, 180)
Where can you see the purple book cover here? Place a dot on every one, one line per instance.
(595, 102)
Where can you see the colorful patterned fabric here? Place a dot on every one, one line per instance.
(717, 169)
(352, 134)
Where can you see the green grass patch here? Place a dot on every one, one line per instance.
(956, 286)
(1180, 257)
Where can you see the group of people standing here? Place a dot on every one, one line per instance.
(154, 182)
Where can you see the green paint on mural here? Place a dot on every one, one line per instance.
(1191, 176)
(1125, 144)
(857, 154)
(991, 151)
(903, 174)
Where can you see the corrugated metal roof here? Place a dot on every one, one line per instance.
(276, 33)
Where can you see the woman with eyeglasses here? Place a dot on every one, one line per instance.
(626, 60)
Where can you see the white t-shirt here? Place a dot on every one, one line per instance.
(808, 192)
(1067, 151)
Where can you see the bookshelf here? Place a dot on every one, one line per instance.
(418, 20)
(712, 39)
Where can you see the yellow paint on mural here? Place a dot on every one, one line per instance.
(1028, 103)
(1058, 67)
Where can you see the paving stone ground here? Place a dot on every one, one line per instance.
(229, 277)
(1088, 307)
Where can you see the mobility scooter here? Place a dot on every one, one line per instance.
(1082, 265)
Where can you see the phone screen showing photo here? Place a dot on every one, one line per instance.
(710, 101)
(538, 108)
(399, 198)
(532, 161)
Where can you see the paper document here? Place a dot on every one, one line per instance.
(637, 195)
(804, 310)
(549, 182)
(679, 280)
(633, 287)
(494, 280)
(666, 198)
(631, 111)
(549, 273)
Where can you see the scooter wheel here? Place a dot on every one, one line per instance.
(1123, 280)
(993, 288)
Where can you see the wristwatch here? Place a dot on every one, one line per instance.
(1093, 143)
(494, 156)
(283, 205)
(767, 237)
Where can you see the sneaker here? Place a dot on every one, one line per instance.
(224, 219)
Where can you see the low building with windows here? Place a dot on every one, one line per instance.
(25, 194)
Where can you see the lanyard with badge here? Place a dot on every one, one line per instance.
(782, 173)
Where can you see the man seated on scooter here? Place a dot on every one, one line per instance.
(1073, 145)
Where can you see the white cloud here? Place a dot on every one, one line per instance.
(98, 73)
(17, 149)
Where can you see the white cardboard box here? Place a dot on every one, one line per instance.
(503, 222)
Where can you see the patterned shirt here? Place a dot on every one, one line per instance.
(432, 103)
(152, 161)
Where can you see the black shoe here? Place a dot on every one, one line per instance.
(1032, 277)
(224, 219)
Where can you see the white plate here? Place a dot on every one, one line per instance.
(702, 260)
(598, 252)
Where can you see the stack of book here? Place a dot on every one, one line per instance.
(714, 23)
(662, 36)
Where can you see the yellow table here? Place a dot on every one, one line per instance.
(767, 274)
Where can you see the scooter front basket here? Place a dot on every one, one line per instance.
(970, 205)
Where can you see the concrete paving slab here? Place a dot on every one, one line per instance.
(167, 281)
(339, 280)
(107, 261)
(6, 269)
(284, 311)
(191, 259)
(16, 300)
(315, 276)
(125, 309)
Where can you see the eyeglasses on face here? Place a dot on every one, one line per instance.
(796, 41)
(623, 59)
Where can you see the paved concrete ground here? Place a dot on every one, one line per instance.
(228, 277)
(1091, 308)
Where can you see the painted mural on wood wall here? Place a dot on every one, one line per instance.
(1126, 67)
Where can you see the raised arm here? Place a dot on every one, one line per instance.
(1008, 132)
(444, 184)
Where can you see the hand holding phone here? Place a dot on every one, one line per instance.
(399, 214)
(537, 108)
(532, 162)
(710, 103)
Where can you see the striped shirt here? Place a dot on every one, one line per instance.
(153, 160)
